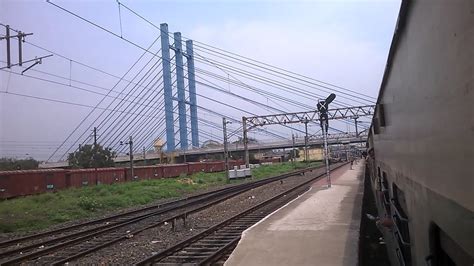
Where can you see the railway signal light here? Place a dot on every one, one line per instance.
(323, 107)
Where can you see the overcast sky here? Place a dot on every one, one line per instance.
(341, 42)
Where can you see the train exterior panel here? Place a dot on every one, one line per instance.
(175, 170)
(196, 168)
(111, 175)
(82, 177)
(21, 183)
(149, 172)
(421, 140)
(28, 182)
(215, 167)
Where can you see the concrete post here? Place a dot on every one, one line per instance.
(356, 128)
(130, 143)
(226, 152)
(183, 128)
(306, 141)
(192, 94)
(293, 153)
(168, 91)
(246, 142)
(326, 154)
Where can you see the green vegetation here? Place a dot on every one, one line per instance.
(41, 211)
(18, 164)
(90, 156)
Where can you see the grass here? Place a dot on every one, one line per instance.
(37, 212)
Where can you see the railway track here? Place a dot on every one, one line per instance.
(214, 245)
(62, 245)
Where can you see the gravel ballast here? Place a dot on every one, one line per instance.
(156, 239)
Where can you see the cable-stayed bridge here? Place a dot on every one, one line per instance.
(179, 89)
(299, 142)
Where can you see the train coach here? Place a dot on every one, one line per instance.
(29, 182)
(420, 146)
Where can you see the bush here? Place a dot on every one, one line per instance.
(88, 204)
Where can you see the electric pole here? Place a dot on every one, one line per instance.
(246, 142)
(355, 122)
(21, 38)
(144, 155)
(306, 140)
(95, 136)
(130, 143)
(226, 152)
(293, 153)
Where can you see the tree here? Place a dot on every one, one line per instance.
(91, 156)
(18, 164)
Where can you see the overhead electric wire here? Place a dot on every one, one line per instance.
(68, 85)
(142, 124)
(90, 113)
(289, 76)
(262, 63)
(63, 102)
(97, 25)
(112, 121)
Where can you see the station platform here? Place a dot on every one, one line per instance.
(321, 227)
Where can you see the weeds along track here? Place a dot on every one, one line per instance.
(62, 245)
(214, 245)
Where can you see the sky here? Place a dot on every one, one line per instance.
(341, 42)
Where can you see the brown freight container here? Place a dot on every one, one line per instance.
(196, 168)
(148, 172)
(29, 182)
(82, 177)
(174, 170)
(215, 166)
(110, 175)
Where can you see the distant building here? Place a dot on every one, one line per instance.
(314, 154)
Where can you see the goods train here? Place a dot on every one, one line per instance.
(28, 182)
(421, 142)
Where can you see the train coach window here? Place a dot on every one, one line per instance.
(400, 218)
(386, 192)
(381, 114)
(445, 251)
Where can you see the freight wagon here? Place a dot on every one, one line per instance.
(29, 182)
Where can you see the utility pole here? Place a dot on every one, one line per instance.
(144, 155)
(94, 155)
(95, 136)
(226, 152)
(130, 153)
(130, 143)
(7, 36)
(306, 140)
(246, 142)
(21, 38)
(355, 122)
(293, 153)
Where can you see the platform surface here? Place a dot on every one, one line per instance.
(321, 227)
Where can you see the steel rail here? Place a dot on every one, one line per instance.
(226, 243)
(164, 208)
